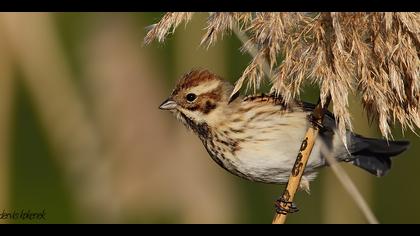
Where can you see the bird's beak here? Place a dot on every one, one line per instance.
(168, 104)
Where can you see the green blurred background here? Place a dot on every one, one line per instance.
(81, 135)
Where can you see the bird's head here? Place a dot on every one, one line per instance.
(199, 98)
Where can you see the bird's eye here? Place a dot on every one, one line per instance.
(191, 97)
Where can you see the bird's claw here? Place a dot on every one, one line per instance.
(317, 124)
(284, 207)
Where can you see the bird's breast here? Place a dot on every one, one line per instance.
(262, 150)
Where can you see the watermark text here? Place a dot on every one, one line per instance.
(22, 215)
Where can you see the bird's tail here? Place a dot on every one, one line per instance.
(374, 155)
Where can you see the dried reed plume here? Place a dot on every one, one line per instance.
(374, 54)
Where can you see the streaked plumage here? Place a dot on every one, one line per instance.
(258, 137)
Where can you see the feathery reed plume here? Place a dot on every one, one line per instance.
(169, 21)
(379, 60)
(219, 23)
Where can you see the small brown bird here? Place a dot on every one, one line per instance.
(258, 137)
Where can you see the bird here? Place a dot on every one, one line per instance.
(257, 137)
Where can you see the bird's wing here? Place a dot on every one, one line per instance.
(306, 106)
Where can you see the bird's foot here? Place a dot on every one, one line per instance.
(284, 207)
(317, 124)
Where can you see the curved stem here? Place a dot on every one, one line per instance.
(352, 190)
(301, 161)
